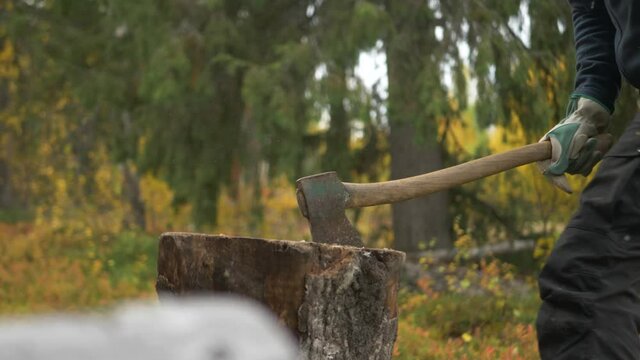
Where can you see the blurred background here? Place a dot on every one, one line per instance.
(120, 120)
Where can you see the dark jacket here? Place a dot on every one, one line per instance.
(607, 39)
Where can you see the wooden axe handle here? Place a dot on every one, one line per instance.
(361, 195)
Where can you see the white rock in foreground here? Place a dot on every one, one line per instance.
(212, 329)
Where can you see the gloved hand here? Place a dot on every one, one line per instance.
(574, 148)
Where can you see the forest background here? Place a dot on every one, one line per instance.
(120, 120)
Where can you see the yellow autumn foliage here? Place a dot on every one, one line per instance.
(157, 197)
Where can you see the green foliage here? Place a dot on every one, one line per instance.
(483, 311)
(131, 258)
(12, 216)
(121, 119)
(205, 94)
(167, 74)
(457, 314)
(467, 327)
(47, 269)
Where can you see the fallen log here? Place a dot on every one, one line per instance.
(475, 253)
(340, 301)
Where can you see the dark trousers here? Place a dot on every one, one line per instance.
(590, 285)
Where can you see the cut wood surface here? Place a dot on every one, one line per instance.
(340, 301)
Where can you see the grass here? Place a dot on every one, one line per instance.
(456, 326)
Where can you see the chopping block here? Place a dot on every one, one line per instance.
(339, 301)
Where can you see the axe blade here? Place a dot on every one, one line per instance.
(322, 199)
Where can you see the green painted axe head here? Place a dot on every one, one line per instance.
(322, 199)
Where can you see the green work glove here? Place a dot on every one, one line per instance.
(574, 148)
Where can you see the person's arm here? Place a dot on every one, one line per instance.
(574, 146)
(597, 74)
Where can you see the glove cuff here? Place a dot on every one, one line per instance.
(572, 105)
(591, 112)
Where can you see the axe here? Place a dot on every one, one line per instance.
(323, 198)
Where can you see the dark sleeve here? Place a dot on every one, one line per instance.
(597, 74)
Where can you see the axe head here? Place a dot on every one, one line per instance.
(322, 199)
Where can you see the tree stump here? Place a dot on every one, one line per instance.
(340, 301)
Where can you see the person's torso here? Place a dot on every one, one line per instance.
(625, 15)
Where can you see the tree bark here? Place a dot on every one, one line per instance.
(414, 149)
(7, 199)
(340, 301)
(424, 222)
(337, 157)
(131, 192)
(6, 190)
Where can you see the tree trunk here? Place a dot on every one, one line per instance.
(6, 191)
(131, 192)
(424, 221)
(337, 157)
(340, 301)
